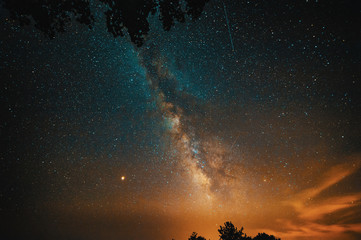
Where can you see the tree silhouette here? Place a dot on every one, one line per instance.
(265, 236)
(246, 237)
(195, 237)
(230, 232)
(52, 16)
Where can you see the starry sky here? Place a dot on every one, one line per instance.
(257, 121)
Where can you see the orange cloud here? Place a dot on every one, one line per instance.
(310, 211)
(329, 205)
(333, 176)
(320, 231)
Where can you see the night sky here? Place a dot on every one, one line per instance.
(267, 135)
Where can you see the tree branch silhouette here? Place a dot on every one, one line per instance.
(131, 16)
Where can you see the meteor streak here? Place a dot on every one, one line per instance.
(229, 28)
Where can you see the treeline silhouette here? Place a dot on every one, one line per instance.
(230, 232)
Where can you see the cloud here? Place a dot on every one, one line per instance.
(333, 176)
(329, 205)
(313, 230)
(313, 210)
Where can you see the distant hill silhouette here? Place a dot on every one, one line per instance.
(230, 232)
